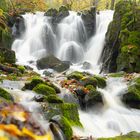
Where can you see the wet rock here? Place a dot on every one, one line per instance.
(7, 55)
(6, 95)
(86, 65)
(35, 81)
(18, 27)
(68, 110)
(121, 50)
(64, 125)
(56, 130)
(44, 90)
(89, 18)
(132, 95)
(51, 12)
(57, 16)
(52, 62)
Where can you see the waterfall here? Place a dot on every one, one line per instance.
(69, 42)
(113, 118)
(33, 44)
(96, 43)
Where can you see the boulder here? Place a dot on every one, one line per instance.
(93, 98)
(89, 19)
(122, 47)
(52, 62)
(35, 81)
(18, 26)
(7, 55)
(57, 16)
(68, 110)
(44, 90)
(6, 95)
(86, 65)
(64, 125)
(132, 96)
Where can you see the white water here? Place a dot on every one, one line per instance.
(96, 43)
(71, 33)
(113, 118)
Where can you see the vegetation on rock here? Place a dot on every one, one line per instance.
(44, 90)
(4, 94)
(122, 48)
(129, 136)
(132, 97)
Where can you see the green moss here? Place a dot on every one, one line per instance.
(120, 74)
(94, 81)
(53, 99)
(101, 82)
(35, 81)
(132, 97)
(75, 75)
(90, 81)
(4, 94)
(7, 55)
(21, 69)
(67, 128)
(44, 89)
(129, 136)
(91, 87)
(68, 110)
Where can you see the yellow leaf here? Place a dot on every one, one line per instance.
(4, 138)
(10, 128)
(35, 137)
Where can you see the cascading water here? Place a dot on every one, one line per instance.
(72, 34)
(39, 39)
(114, 118)
(96, 43)
(32, 44)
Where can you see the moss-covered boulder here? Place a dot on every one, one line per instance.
(130, 136)
(132, 97)
(68, 110)
(75, 75)
(7, 55)
(6, 95)
(94, 97)
(51, 12)
(21, 68)
(53, 99)
(44, 90)
(64, 124)
(122, 48)
(35, 81)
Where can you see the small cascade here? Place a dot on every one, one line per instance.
(71, 51)
(113, 118)
(96, 43)
(72, 35)
(33, 44)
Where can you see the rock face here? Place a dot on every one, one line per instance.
(132, 96)
(7, 55)
(54, 63)
(89, 18)
(19, 26)
(57, 16)
(122, 49)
